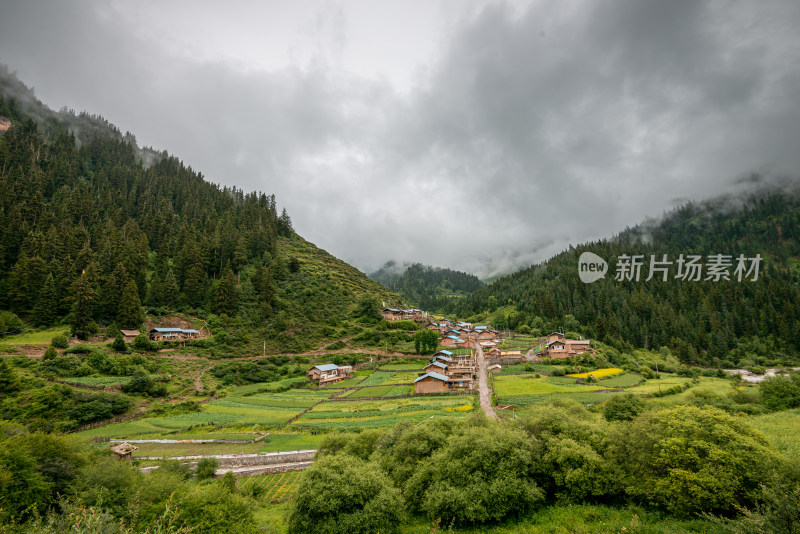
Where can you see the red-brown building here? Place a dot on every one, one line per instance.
(431, 383)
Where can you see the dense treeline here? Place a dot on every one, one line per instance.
(54, 483)
(704, 322)
(425, 285)
(683, 460)
(86, 228)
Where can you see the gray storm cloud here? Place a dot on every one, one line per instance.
(534, 126)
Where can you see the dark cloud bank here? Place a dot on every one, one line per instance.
(537, 127)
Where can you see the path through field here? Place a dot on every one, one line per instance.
(483, 383)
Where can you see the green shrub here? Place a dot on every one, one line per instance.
(622, 407)
(206, 468)
(345, 494)
(49, 354)
(781, 392)
(482, 474)
(689, 459)
(118, 344)
(60, 341)
(9, 323)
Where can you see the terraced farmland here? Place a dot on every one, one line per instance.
(524, 390)
(267, 409)
(274, 488)
(357, 415)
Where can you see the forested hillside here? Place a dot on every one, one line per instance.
(705, 322)
(92, 228)
(428, 287)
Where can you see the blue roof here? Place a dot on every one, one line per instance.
(326, 367)
(445, 358)
(437, 376)
(445, 352)
(438, 364)
(175, 331)
(453, 337)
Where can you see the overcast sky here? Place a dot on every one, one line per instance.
(482, 136)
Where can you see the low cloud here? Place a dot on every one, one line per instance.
(532, 128)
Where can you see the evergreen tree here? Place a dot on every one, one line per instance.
(226, 298)
(129, 309)
(170, 289)
(47, 306)
(84, 300)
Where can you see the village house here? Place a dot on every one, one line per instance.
(560, 347)
(435, 366)
(173, 334)
(452, 341)
(508, 357)
(495, 368)
(447, 360)
(329, 373)
(459, 369)
(392, 314)
(431, 383)
(129, 335)
(486, 333)
(124, 451)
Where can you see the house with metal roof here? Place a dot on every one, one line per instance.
(435, 366)
(173, 334)
(452, 341)
(329, 373)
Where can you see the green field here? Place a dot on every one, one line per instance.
(384, 378)
(655, 385)
(274, 488)
(387, 390)
(347, 383)
(404, 366)
(271, 443)
(41, 337)
(267, 386)
(530, 385)
(357, 415)
(267, 409)
(621, 381)
(782, 430)
(99, 380)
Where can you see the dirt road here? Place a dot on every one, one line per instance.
(483, 384)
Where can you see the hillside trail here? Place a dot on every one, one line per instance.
(483, 384)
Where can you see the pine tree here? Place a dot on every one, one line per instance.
(170, 289)
(226, 298)
(47, 306)
(129, 310)
(84, 300)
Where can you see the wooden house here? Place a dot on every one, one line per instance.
(124, 451)
(329, 373)
(495, 368)
(494, 352)
(431, 383)
(129, 335)
(392, 314)
(435, 366)
(452, 341)
(560, 347)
